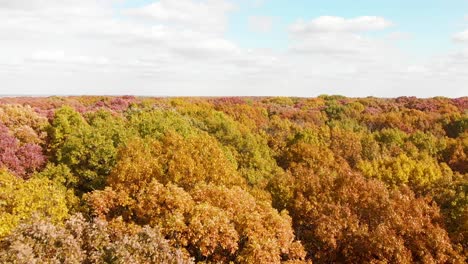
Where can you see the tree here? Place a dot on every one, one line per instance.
(233, 180)
(451, 196)
(89, 149)
(254, 158)
(415, 172)
(21, 159)
(178, 184)
(348, 218)
(23, 123)
(21, 199)
(184, 162)
(80, 241)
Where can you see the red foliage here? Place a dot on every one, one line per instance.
(461, 103)
(229, 101)
(20, 159)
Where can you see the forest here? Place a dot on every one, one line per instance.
(331, 179)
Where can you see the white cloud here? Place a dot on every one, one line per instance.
(59, 56)
(398, 35)
(340, 24)
(340, 38)
(85, 46)
(262, 24)
(53, 4)
(179, 47)
(31, 4)
(93, 30)
(207, 15)
(461, 36)
(336, 54)
(332, 44)
(417, 69)
(206, 47)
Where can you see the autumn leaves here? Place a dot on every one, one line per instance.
(247, 180)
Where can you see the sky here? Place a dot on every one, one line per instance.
(306, 48)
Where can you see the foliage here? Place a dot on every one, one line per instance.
(79, 241)
(154, 123)
(451, 196)
(253, 157)
(233, 180)
(88, 148)
(20, 159)
(162, 183)
(348, 218)
(20, 199)
(416, 172)
(173, 159)
(24, 123)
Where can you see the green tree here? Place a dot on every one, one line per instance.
(89, 149)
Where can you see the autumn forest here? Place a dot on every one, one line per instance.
(329, 179)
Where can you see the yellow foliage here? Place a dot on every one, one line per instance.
(24, 122)
(20, 199)
(402, 169)
(184, 161)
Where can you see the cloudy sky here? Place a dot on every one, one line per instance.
(380, 48)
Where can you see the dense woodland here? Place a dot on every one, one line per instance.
(243, 180)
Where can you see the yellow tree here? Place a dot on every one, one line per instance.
(20, 200)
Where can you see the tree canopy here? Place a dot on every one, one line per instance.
(233, 180)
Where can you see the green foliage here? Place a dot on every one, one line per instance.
(250, 150)
(89, 149)
(370, 147)
(66, 121)
(391, 137)
(427, 142)
(155, 123)
(457, 126)
(60, 174)
(451, 196)
(334, 110)
(111, 126)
